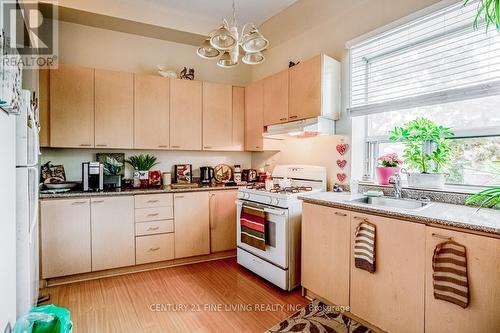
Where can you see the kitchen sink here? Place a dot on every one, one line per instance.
(392, 202)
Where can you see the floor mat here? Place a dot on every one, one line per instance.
(317, 317)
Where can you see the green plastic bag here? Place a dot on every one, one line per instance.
(45, 319)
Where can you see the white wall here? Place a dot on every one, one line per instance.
(72, 159)
(7, 222)
(106, 49)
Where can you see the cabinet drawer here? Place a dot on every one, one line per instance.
(154, 248)
(153, 228)
(154, 214)
(154, 200)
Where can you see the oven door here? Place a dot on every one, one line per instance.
(276, 234)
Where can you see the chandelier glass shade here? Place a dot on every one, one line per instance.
(225, 42)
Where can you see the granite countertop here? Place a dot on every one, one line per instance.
(435, 214)
(132, 191)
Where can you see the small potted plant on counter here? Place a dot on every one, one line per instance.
(142, 164)
(427, 150)
(390, 164)
(489, 198)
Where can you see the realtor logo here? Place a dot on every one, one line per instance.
(30, 33)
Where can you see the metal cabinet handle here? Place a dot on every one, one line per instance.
(153, 228)
(293, 117)
(101, 145)
(97, 201)
(360, 218)
(441, 236)
(153, 201)
(154, 249)
(162, 146)
(79, 202)
(154, 214)
(340, 214)
(206, 147)
(283, 119)
(176, 147)
(179, 196)
(85, 145)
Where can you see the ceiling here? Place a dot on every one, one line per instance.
(206, 15)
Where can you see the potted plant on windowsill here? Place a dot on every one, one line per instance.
(142, 164)
(390, 164)
(427, 150)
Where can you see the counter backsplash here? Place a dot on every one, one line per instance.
(72, 159)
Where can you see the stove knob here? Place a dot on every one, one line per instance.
(247, 196)
(270, 200)
(276, 201)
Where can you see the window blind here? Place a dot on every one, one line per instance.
(435, 59)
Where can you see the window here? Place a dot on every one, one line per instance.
(440, 68)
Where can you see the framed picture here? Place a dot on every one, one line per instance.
(113, 163)
(183, 173)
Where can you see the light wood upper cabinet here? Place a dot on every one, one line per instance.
(254, 116)
(276, 98)
(113, 232)
(44, 106)
(72, 107)
(238, 119)
(314, 89)
(191, 222)
(222, 221)
(185, 114)
(65, 237)
(325, 252)
(152, 112)
(392, 298)
(483, 270)
(217, 115)
(114, 109)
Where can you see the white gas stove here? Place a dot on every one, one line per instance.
(279, 263)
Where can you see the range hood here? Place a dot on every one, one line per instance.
(301, 128)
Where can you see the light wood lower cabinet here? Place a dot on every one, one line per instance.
(325, 252)
(113, 232)
(483, 270)
(392, 298)
(154, 248)
(222, 220)
(65, 237)
(191, 219)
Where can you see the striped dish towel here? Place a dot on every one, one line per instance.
(364, 246)
(449, 263)
(253, 231)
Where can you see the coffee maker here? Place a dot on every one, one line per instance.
(206, 175)
(92, 176)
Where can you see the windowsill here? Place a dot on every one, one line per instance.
(454, 189)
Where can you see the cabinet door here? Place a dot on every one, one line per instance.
(113, 232)
(217, 116)
(238, 119)
(152, 112)
(483, 270)
(185, 114)
(222, 221)
(325, 252)
(191, 223)
(114, 109)
(72, 107)
(392, 298)
(276, 98)
(44, 106)
(254, 116)
(305, 90)
(65, 237)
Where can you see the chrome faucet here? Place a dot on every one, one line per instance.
(396, 183)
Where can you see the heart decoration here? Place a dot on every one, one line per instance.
(341, 163)
(341, 177)
(342, 148)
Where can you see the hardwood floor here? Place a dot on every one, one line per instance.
(193, 298)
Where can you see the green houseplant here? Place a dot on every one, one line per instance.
(427, 150)
(489, 10)
(142, 164)
(489, 198)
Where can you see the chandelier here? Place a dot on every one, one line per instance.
(224, 43)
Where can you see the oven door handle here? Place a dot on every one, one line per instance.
(262, 208)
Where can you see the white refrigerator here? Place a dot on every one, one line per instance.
(27, 185)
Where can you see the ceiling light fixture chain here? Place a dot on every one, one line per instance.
(226, 42)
